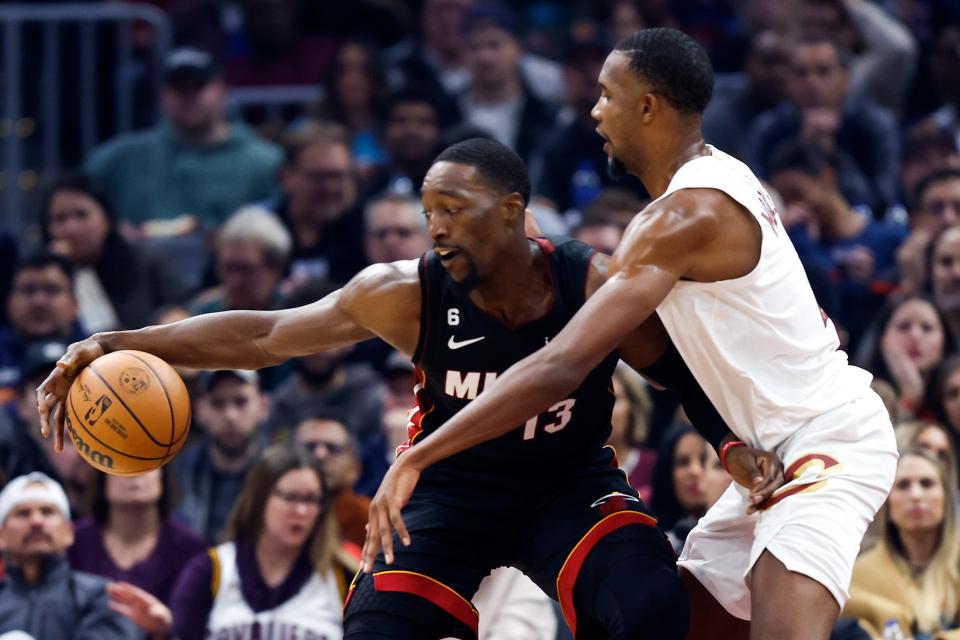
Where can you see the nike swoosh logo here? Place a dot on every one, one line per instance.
(453, 344)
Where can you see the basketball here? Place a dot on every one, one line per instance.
(128, 412)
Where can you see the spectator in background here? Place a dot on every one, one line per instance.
(498, 98)
(945, 65)
(40, 306)
(678, 499)
(728, 118)
(395, 229)
(41, 595)
(570, 168)
(434, 62)
(320, 205)
(211, 472)
(411, 138)
(8, 260)
(327, 382)
(948, 385)
(22, 449)
(857, 251)
(399, 406)
(925, 150)
(280, 572)
(945, 277)
(326, 435)
(932, 436)
(911, 575)
(117, 284)
(606, 217)
(355, 98)
(883, 54)
(630, 422)
(822, 111)
(252, 253)
(912, 340)
(936, 207)
(270, 48)
(196, 167)
(131, 536)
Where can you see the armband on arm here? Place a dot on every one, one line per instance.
(672, 372)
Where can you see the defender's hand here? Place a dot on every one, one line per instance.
(758, 470)
(384, 515)
(52, 392)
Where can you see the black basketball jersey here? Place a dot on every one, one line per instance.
(462, 349)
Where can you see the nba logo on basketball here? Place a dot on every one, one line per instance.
(98, 409)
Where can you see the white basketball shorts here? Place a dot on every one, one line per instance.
(839, 469)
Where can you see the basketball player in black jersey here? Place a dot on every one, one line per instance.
(546, 497)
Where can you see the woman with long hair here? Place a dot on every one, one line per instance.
(911, 578)
(130, 534)
(117, 284)
(281, 572)
(678, 491)
(912, 339)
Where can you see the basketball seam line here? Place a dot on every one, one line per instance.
(84, 427)
(166, 395)
(129, 410)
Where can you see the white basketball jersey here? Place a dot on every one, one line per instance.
(759, 345)
(314, 613)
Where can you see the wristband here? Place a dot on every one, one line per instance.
(727, 447)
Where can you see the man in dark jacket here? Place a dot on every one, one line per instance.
(41, 596)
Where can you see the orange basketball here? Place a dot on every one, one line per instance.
(128, 412)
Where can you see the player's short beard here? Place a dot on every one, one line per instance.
(616, 169)
(469, 283)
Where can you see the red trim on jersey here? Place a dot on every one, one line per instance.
(545, 244)
(567, 577)
(421, 410)
(429, 589)
(353, 585)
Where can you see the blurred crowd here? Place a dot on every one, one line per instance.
(848, 109)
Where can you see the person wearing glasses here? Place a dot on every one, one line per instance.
(332, 444)
(280, 573)
(395, 229)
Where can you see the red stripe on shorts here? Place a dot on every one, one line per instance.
(574, 562)
(429, 589)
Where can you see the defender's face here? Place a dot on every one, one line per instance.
(462, 221)
(615, 110)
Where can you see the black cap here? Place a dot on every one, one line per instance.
(41, 357)
(207, 379)
(488, 14)
(189, 66)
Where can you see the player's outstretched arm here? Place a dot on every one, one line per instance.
(382, 300)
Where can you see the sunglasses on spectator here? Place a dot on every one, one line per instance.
(332, 447)
(293, 498)
(383, 232)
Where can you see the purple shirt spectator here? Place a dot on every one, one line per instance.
(157, 573)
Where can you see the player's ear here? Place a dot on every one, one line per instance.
(649, 105)
(514, 208)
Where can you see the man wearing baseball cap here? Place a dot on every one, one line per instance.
(197, 166)
(231, 411)
(41, 596)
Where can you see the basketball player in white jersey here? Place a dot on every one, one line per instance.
(710, 255)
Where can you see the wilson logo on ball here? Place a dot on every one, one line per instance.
(93, 455)
(134, 380)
